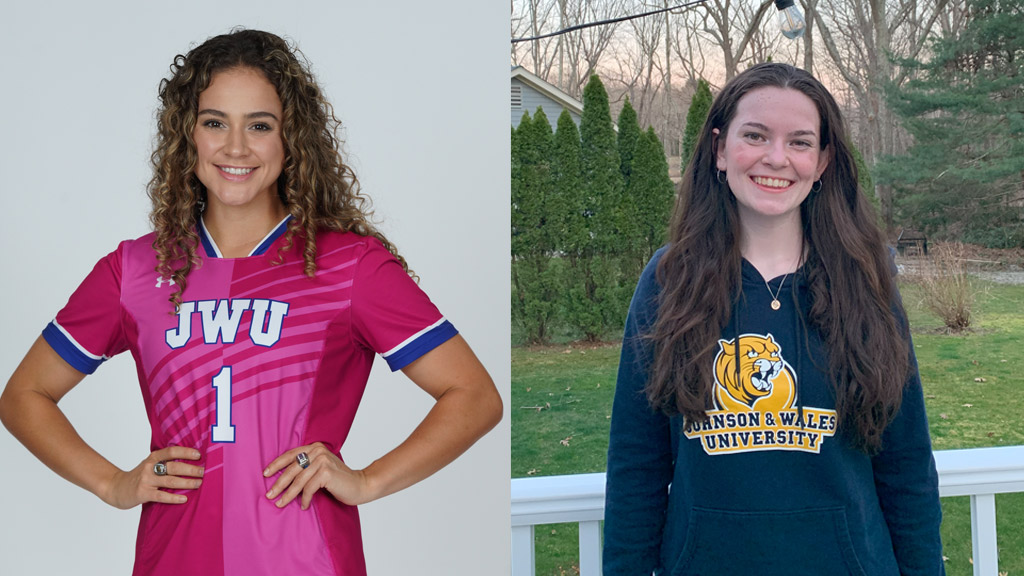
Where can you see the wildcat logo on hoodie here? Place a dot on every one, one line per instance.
(756, 405)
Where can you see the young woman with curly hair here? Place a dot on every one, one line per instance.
(769, 417)
(253, 312)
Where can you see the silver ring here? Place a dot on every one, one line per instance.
(160, 469)
(303, 460)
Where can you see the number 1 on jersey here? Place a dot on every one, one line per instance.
(223, 430)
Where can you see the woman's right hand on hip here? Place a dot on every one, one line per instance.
(143, 483)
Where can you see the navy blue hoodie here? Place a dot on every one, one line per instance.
(768, 485)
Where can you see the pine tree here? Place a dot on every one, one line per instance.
(566, 208)
(965, 110)
(538, 145)
(700, 106)
(518, 222)
(602, 178)
(652, 192)
(627, 225)
(532, 180)
(598, 307)
(566, 217)
(518, 295)
(534, 292)
(629, 133)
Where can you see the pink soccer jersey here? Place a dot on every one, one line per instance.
(259, 359)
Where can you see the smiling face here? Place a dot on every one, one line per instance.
(771, 154)
(238, 140)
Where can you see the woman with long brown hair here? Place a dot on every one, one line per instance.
(769, 417)
(253, 312)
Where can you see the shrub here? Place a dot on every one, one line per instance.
(946, 287)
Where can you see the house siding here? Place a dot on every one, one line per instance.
(531, 99)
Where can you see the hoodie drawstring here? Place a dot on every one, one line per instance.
(797, 333)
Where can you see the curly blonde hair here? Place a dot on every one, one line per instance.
(318, 189)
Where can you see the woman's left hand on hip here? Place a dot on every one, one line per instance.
(324, 470)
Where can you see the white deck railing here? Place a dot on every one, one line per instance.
(980, 473)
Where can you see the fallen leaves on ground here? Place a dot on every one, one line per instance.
(943, 416)
(979, 379)
(531, 472)
(967, 405)
(565, 441)
(573, 570)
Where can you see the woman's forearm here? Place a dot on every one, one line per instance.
(28, 408)
(457, 420)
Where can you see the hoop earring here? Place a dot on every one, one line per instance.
(816, 187)
(721, 176)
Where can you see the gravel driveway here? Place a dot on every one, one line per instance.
(1014, 275)
(1001, 277)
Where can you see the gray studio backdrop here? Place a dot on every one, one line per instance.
(422, 92)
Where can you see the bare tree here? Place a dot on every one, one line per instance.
(952, 20)
(810, 7)
(534, 18)
(637, 57)
(585, 48)
(766, 42)
(566, 60)
(732, 26)
(859, 37)
(517, 26)
(689, 45)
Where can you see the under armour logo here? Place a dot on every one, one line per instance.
(160, 280)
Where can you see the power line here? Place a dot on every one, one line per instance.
(611, 21)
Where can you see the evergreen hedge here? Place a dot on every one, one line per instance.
(589, 207)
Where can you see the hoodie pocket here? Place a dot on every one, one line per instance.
(804, 542)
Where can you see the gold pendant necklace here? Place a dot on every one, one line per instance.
(775, 297)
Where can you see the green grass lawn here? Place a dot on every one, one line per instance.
(562, 398)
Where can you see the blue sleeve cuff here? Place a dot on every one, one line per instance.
(422, 344)
(70, 351)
